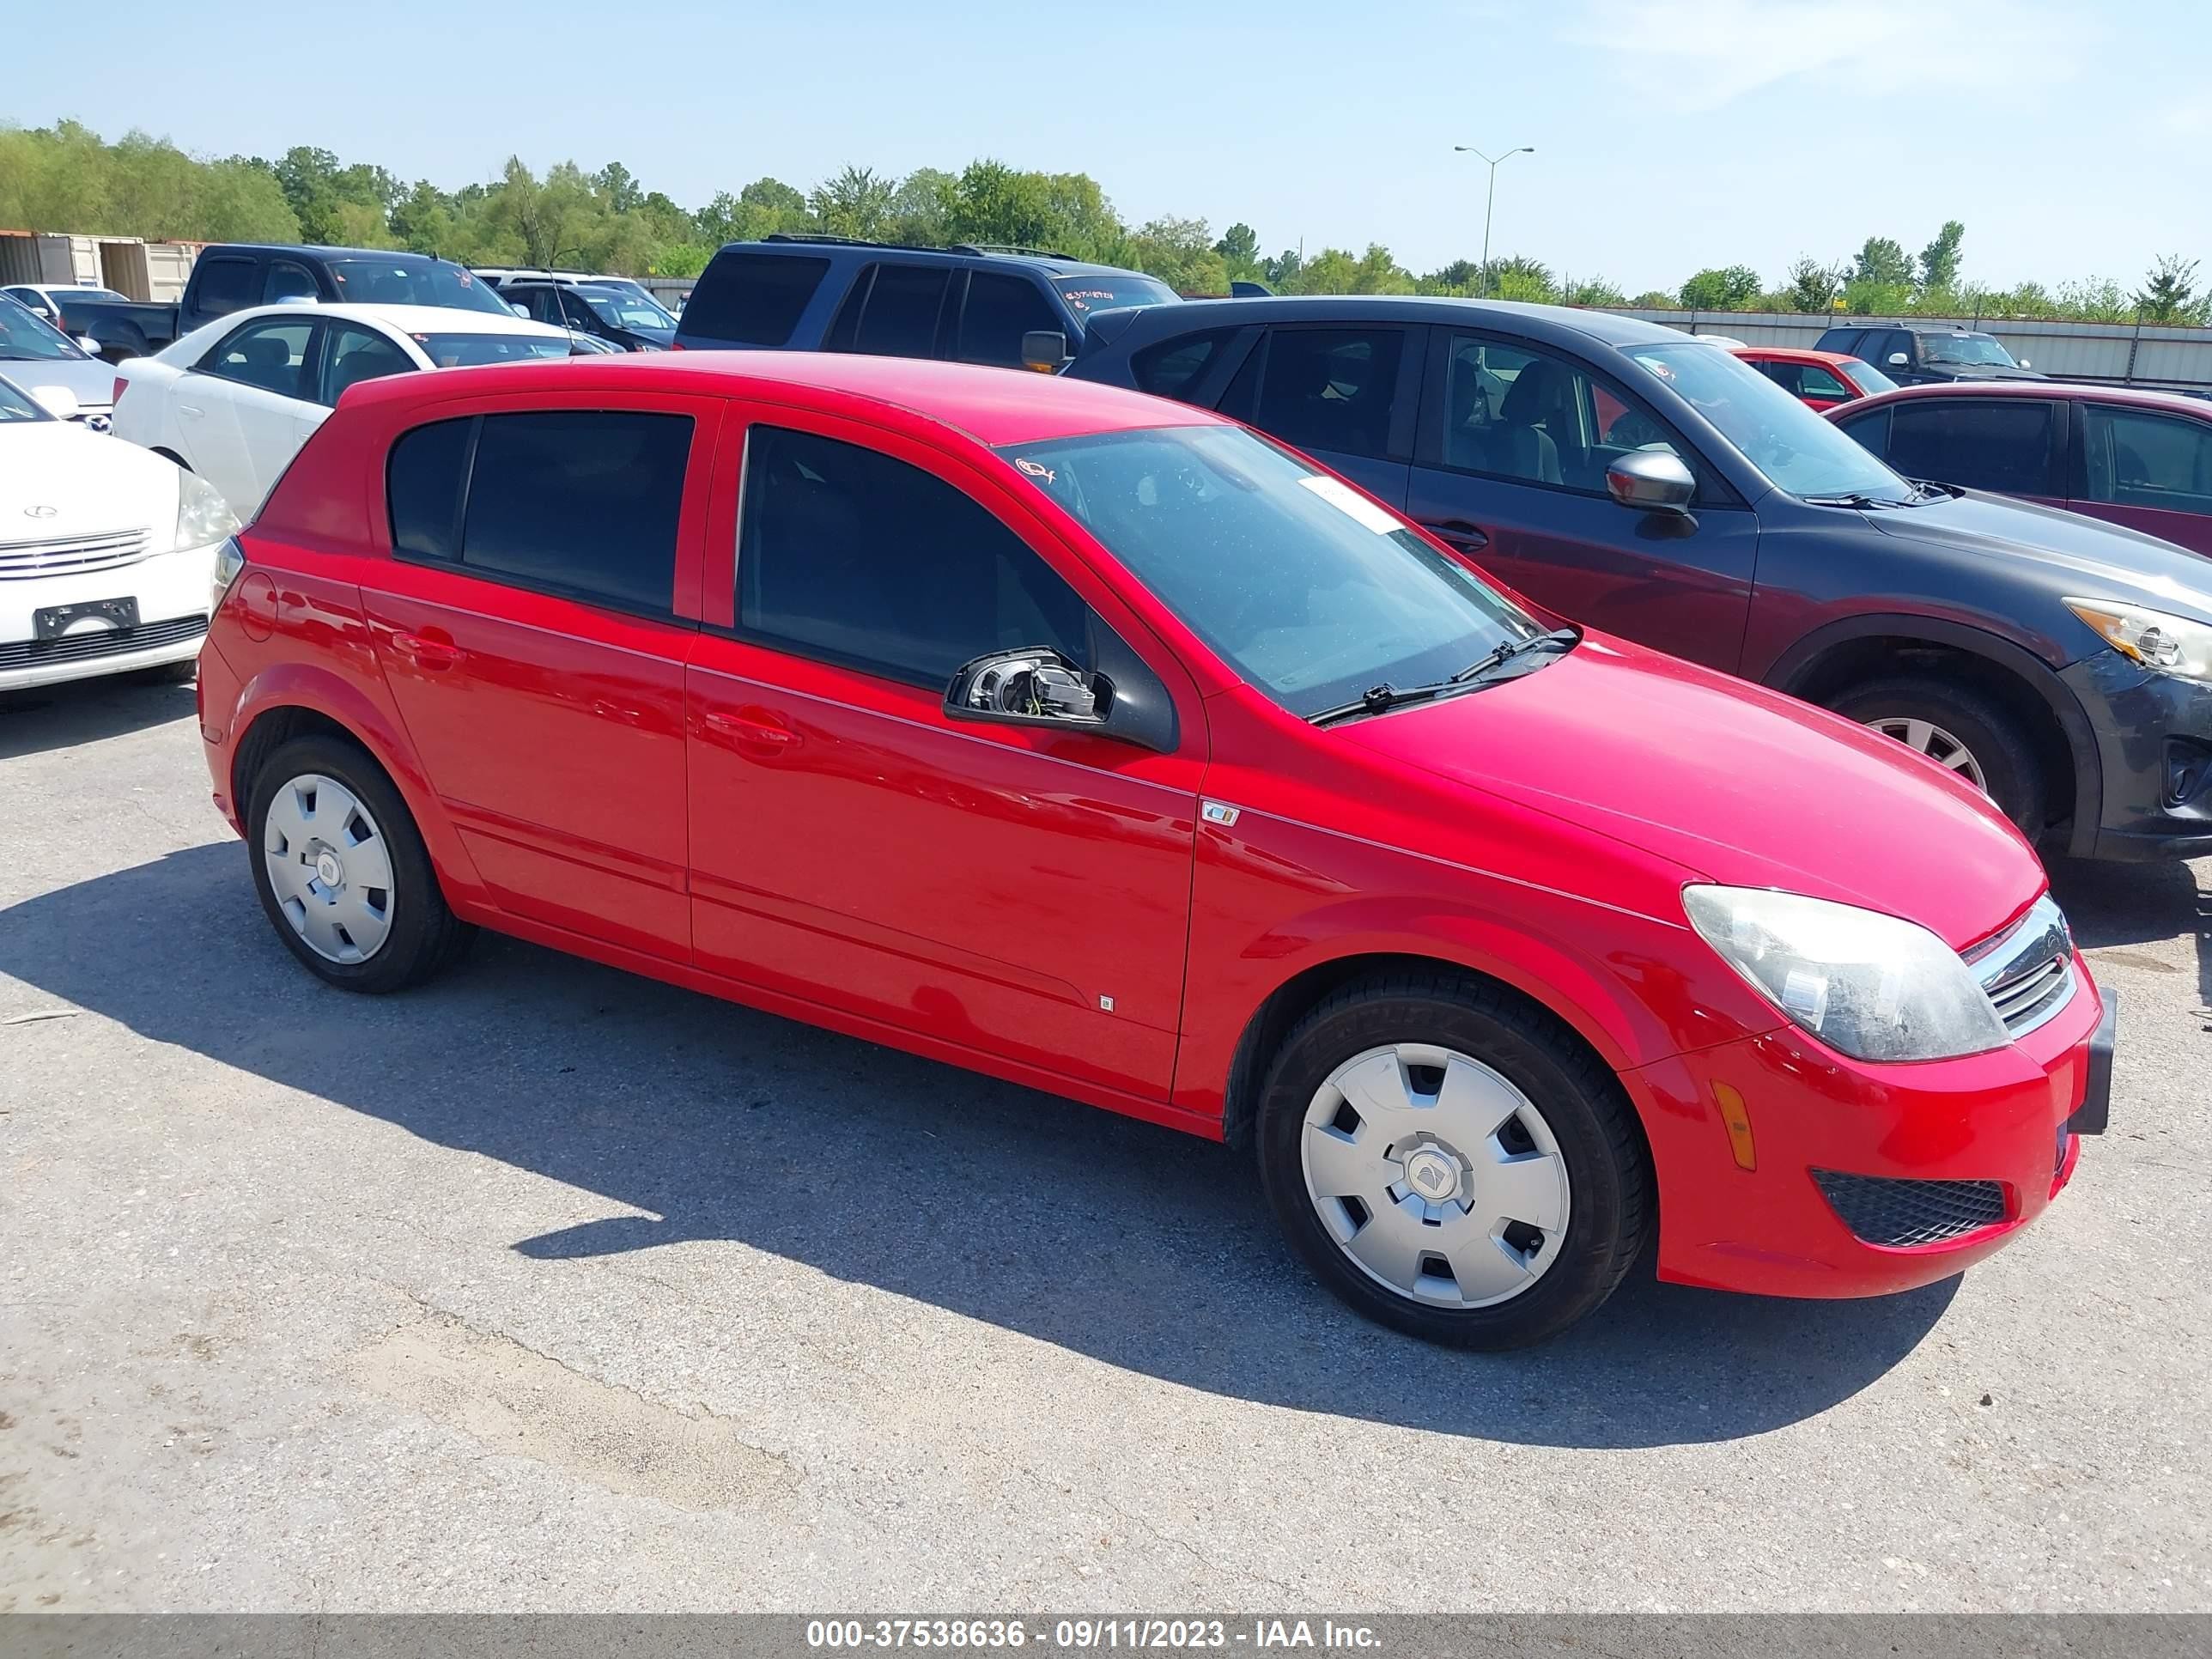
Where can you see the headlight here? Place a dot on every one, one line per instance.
(229, 559)
(2172, 644)
(1872, 986)
(203, 516)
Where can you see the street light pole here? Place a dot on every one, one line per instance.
(1491, 200)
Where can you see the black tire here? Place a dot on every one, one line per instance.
(170, 673)
(425, 935)
(1996, 738)
(1610, 1206)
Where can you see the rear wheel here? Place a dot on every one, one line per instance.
(1961, 729)
(1452, 1162)
(342, 870)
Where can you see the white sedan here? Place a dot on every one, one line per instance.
(107, 554)
(234, 401)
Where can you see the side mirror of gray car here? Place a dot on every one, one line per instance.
(1045, 349)
(1652, 481)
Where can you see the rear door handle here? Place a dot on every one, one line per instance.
(428, 654)
(750, 731)
(1457, 532)
(188, 408)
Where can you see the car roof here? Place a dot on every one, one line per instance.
(1063, 264)
(318, 251)
(2178, 403)
(993, 406)
(1800, 354)
(408, 320)
(1537, 321)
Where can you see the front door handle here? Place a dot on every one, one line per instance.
(428, 654)
(192, 409)
(762, 734)
(1457, 532)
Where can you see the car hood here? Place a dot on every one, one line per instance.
(90, 380)
(1983, 372)
(57, 479)
(1737, 784)
(2088, 557)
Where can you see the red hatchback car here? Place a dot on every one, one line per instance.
(1096, 742)
(2125, 454)
(1820, 381)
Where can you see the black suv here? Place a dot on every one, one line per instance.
(1921, 354)
(601, 310)
(1656, 486)
(979, 305)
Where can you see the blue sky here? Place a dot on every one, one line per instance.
(2072, 139)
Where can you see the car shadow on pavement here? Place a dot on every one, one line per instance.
(1137, 1246)
(2112, 907)
(85, 711)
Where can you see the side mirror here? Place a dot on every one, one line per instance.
(2024, 363)
(519, 311)
(1045, 349)
(1898, 359)
(1033, 686)
(1652, 481)
(86, 342)
(57, 401)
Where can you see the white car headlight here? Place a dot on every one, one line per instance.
(203, 518)
(2172, 644)
(1871, 986)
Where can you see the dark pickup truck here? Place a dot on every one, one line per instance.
(230, 276)
(1928, 354)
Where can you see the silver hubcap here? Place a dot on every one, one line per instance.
(1435, 1176)
(1932, 741)
(329, 867)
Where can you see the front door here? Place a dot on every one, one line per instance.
(1509, 468)
(1012, 890)
(244, 410)
(532, 622)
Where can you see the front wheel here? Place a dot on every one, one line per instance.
(1962, 730)
(1452, 1163)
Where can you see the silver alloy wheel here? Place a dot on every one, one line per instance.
(1438, 1178)
(329, 866)
(1932, 741)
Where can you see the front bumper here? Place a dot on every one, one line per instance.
(2005, 1121)
(2154, 735)
(173, 591)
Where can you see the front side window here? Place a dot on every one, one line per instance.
(1331, 389)
(352, 354)
(585, 502)
(1534, 418)
(288, 283)
(1870, 380)
(1814, 381)
(271, 356)
(846, 553)
(1305, 587)
(999, 311)
(541, 302)
(2009, 446)
(1795, 449)
(2138, 458)
(220, 286)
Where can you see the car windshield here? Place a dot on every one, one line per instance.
(1091, 293)
(1304, 586)
(469, 350)
(1869, 378)
(16, 406)
(24, 338)
(407, 283)
(1795, 449)
(623, 310)
(1970, 349)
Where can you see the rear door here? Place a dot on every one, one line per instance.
(1343, 392)
(2146, 468)
(1510, 467)
(897, 308)
(246, 408)
(533, 621)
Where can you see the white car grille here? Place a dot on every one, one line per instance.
(66, 556)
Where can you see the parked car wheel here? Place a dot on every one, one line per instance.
(1962, 730)
(342, 870)
(1451, 1162)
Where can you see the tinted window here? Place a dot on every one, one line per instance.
(847, 553)
(221, 285)
(1535, 418)
(1870, 380)
(543, 304)
(2002, 444)
(2137, 458)
(1331, 389)
(1172, 368)
(1782, 375)
(272, 355)
(575, 312)
(900, 319)
(424, 481)
(752, 299)
(1000, 309)
(1814, 381)
(1870, 432)
(352, 354)
(1894, 341)
(1841, 339)
(288, 281)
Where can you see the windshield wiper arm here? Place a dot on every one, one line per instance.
(1497, 656)
(1380, 699)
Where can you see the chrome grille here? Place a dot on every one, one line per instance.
(64, 556)
(2027, 971)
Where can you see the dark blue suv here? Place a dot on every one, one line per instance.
(979, 305)
(1654, 485)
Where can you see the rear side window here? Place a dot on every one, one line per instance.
(1172, 368)
(847, 553)
(752, 299)
(999, 310)
(1331, 389)
(220, 286)
(582, 502)
(2009, 446)
(1870, 432)
(898, 318)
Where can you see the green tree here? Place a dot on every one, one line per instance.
(1239, 248)
(1864, 297)
(2169, 293)
(1182, 254)
(1881, 260)
(1594, 291)
(619, 186)
(1527, 279)
(1813, 286)
(1939, 260)
(1720, 289)
(921, 212)
(855, 202)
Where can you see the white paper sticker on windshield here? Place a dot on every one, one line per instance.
(1352, 504)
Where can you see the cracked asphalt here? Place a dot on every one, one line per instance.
(548, 1288)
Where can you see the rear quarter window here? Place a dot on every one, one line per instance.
(1870, 432)
(1173, 367)
(752, 299)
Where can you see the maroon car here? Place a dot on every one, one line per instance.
(2130, 456)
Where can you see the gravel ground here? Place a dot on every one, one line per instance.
(547, 1287)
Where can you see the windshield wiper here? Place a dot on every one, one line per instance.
(1380, 699)
(1864, 503)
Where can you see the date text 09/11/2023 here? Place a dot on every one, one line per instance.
(1086, 1633)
